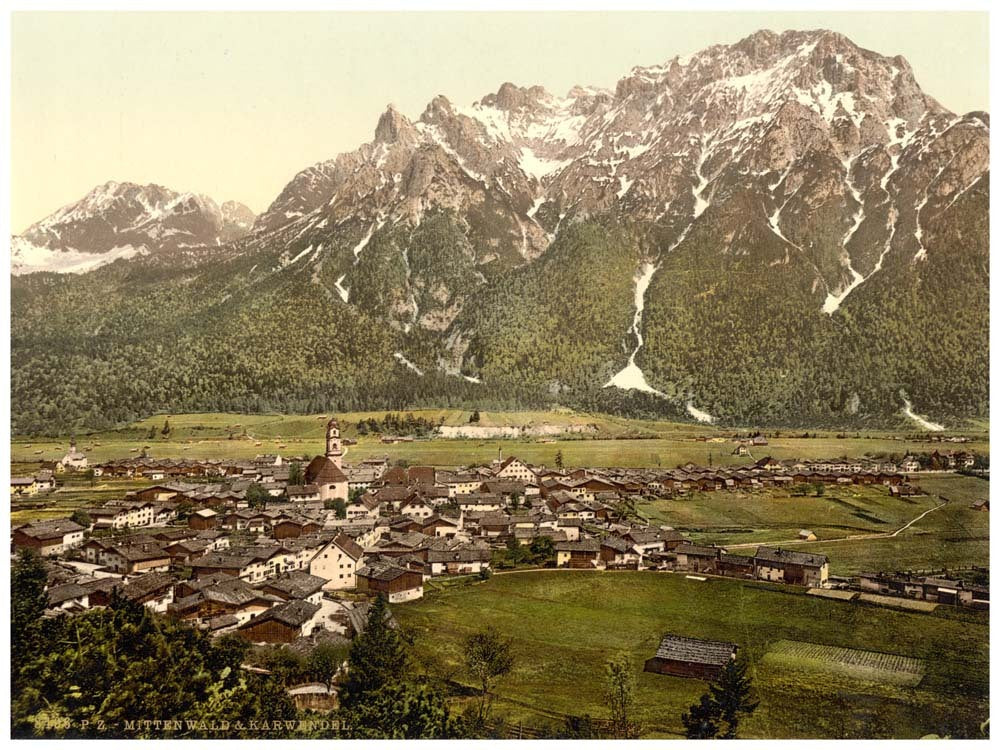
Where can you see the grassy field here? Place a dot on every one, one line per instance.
(777, 515)
(616, 441)
(566, 624)
(74, 493)
(953, 537)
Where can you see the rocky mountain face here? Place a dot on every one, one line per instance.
(121, 220)
(783, 230)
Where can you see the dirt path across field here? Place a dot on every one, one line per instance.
(852, 538)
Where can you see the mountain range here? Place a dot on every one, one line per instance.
(122, 220)
(782, 231)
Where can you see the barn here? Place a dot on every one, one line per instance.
(681, 656)
(206, 518)
(281, 624)
(396, 583)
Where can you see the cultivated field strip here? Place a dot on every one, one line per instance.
(875, 665)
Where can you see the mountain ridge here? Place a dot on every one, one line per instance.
(119, 220)
(788, 182)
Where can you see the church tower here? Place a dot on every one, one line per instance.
(333, 450)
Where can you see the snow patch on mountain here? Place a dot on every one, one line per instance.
(631, 376)
(698, 414)
(27, 257)
(924, 423)
(339, 286)
(404, 361)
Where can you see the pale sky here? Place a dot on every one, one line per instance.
(234, 104)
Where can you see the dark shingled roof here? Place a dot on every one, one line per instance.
(294, 585)
(382, 570)
(222, 621)
(294, 614)
(52, 529)
(695, 650)
(349, 546)
(736, 559)
(697, 549)
(769, 555)
(64, 593)
(231, 590)
(147, 584)
(582, 545)
(613, 542)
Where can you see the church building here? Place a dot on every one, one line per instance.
(326, 472)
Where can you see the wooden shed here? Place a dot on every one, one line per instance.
(681, 656)
(281, 624)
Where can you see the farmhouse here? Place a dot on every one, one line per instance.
(786, 566)
(681, 656)
(615, 552)
(929, 588)
(584, 553)
(302, 493)
(206, 518)
(337, 562)
(49, 537)
(515, 469)
(24, 486)
(219, 595)
(295, 585)
(152, 590)
(697, 558)
(281, 624)
(735, 566)
(460, 484)
(136, 555)
(291, 528)
(456, 558)
(396, 583)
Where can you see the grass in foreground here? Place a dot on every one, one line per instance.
(566, 624)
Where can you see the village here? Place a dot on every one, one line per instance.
(275, 551)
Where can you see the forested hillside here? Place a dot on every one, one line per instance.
(782, 231)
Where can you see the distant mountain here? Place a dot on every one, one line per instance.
(786, 230)
(122, 220)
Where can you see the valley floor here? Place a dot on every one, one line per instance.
(612, 441)
(566, 624)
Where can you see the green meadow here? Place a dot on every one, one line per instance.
(566, 624)
(615, 441)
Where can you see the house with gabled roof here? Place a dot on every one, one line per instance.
(513, 468)
(281, 624)
(337, 562)
(296, 584)
(447, 556)
(697, 558)
(394, 581)
(52, 537)
(787, 566)
(583, 553)
(616, 552)
(441, 526)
